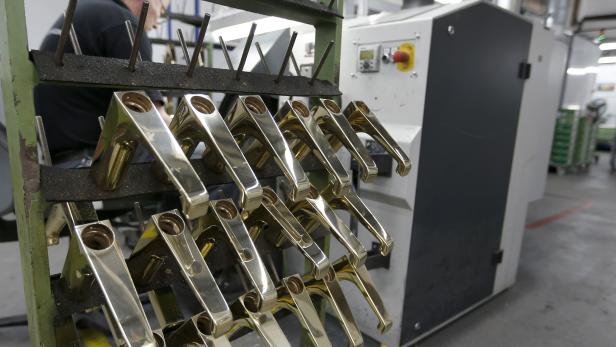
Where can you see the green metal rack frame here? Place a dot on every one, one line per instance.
(18, 78)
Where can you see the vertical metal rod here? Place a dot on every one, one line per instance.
(262, 56)
(198, 45)
(101, 122)
(42, 137)
(138, 36)
(139, 215)
(183, 45)
(322, 61)
(75, 41)
(225, 52)
(131, 36)
(272, 266)
(331, 3)
(64, 35)
(287, 54)
(297, 70)
(251, 35)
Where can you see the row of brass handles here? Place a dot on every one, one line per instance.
(245, 140)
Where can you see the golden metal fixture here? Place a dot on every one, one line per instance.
(131, 119)
(253, 126)
(196, 331)
(283, 227)
(198, 120)
(363, 120)
(360, 276)
(168, 237)
(224, 218)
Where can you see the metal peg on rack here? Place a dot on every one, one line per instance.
(297, 70)
(287, 54)
(322, 61)
(66, 28)
(75, 41)
(225, 52)
(198, 46)
(262, 56)
(131, 36)
(251, 35)
(132, 60)
(183, 45)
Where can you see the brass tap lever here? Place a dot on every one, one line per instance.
(196, 331)
(133, 118)
(252, 124)
(360, 276)
(274, 212)
(352, 203)
(168, 236)
(246, 314)
(293, 296)
(362, 119)
(335, 125)
(295, 121)
(224, 218)
(329, 289)
(198, 120)
(315, 210)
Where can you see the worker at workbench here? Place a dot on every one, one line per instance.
(71, 113)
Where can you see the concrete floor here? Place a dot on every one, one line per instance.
(565, 294)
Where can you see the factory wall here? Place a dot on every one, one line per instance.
(578, 88)
(606, 79)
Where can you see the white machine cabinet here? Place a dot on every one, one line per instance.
(463, 90)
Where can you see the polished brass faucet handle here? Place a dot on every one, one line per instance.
(360, 276)
(224, 217)
(351, 202)
(167, 236)
(197, 120)
(335, 125)
(246, 314)
(329, 289)
(362, 119)
(133, 118)
(293, 296)
(253, 125)
(284, 227)
(296, 122)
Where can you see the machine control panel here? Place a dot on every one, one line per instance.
(369, 58)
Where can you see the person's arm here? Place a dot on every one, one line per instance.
(117, 45)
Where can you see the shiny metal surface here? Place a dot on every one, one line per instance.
(224, 217)
(275, 214)
(293, 296)
(167, 236)
(335, 125)
(329, 289)
(133, 118)
(105, 263)
(252, 124)
(195, 332)
(263, 323)
(360, 276)
(295, 121)
(198, 120)
(315, 210)
(363, 120)
(351, 202)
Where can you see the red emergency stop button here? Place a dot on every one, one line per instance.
(401, 57)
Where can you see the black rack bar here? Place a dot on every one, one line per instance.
(112, 73)
(62, 184)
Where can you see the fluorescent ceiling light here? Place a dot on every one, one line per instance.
(607, 60)
(264, 25)
(446, 2)
(582, 71)
(608, 46)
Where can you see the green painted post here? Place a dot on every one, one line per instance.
(18, 79)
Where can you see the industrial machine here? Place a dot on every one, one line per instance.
(463, 89)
